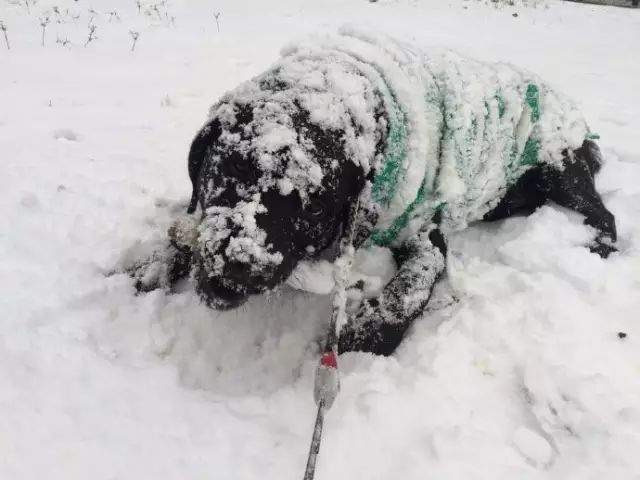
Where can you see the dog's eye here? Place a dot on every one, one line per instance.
(240, 167)
(317, 209)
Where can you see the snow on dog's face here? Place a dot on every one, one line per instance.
(276, 169)
(271, 193)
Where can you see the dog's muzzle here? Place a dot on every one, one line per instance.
(231, 256)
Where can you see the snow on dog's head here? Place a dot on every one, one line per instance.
(275, 170)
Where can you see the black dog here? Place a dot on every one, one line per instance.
(423, 142)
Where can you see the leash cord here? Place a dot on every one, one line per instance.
(315, 444)
(327, 381)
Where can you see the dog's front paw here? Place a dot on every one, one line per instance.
(155, 264)
(162, 269)
(352, 340)
(365, 332)
(602, 246)
(149, 274)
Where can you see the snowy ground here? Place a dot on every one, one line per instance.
(524, 377)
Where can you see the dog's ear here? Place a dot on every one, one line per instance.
(203, 140)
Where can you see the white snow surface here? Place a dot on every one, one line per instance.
(516, 371)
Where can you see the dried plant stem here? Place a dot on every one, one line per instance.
(63, 41)
(44, 21)
(134, 36)
(91, 37)
(3, 27)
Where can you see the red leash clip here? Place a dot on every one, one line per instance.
(327, 383)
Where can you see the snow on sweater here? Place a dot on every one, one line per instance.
(458, 132)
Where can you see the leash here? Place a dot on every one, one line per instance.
(327, 380)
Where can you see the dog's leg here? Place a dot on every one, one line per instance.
(169, 261)
(381, 323)
(574, 188)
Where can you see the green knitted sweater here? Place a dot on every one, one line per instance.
(460, 133)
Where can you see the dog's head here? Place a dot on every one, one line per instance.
(273, 188)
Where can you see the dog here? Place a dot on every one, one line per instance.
(422, 143)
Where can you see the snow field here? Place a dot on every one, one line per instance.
(517, 370)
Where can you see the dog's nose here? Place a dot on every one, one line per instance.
(238, 271)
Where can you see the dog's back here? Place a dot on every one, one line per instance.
(459, 132)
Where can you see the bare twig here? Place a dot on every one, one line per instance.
(139, 5)
(113, 15)
(26, 3)
(56, 10)
(3, 27)
(152, 11)
(216, 15)
(171, 20)
(63, 41)
(134, 36)
(44, 21)
(92, 36)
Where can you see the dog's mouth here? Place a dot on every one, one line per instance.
(225, 277)
(218, 296)
(234, 286)
(233, 256)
